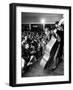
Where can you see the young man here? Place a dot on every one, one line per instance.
(59, 34)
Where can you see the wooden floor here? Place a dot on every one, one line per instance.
(36, 70)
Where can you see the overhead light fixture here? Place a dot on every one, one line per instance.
(43, 21)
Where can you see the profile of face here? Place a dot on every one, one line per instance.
(56, 25)
(46, 31)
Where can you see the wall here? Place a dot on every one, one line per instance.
(4, 44)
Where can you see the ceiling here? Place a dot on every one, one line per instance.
(35, 18)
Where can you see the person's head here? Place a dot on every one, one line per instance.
(26, 46)
(47, 31)
(56, 24)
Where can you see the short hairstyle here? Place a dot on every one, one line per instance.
(56, 22)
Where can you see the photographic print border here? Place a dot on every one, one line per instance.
(12, 71)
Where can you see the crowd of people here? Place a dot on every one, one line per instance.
(33, 44)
